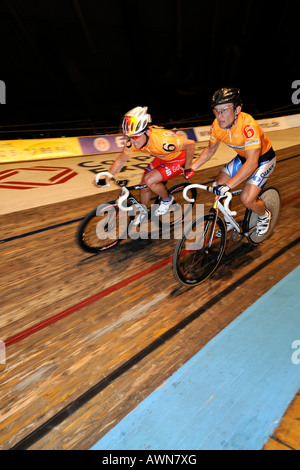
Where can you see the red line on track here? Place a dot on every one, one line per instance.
(100, 295)
(84, 303)
(288, 201)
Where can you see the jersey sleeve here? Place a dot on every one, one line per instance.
(129, 148)
(213, 135)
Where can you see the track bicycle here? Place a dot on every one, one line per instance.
(110, 223)
(199, 252)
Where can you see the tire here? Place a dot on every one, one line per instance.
(102, 228)
(193, 260)
(272, 200)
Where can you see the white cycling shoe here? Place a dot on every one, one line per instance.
(164, 206)
(263, 223)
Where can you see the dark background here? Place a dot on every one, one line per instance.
(78, 65)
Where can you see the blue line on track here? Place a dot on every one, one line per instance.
(232, 394)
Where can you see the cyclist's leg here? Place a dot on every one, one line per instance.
(229, 170)
(251, 191)
(158, 171)
(154, 181)
(255, 184)
(249, 197)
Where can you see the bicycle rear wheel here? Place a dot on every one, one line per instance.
(272, 200)
(102, 228)
(198, 253)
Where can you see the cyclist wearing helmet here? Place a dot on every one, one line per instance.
(173, 155)
(255, 160)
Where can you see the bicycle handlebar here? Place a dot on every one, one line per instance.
(125, 192)
(228, 195)
(191, 186)
(122, 198)
(101, 175)
(227, 202)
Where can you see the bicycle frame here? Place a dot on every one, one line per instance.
(217, 206)
(228, 215)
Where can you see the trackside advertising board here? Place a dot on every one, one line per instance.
(12, 151)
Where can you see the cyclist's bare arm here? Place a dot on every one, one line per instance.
(206, 154)
(118, 164)
(247, 169)
(189, 147)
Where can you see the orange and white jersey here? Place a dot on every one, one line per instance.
(245, 134)
(162, 143)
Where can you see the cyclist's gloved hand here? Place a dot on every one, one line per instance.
(101, 183)
(221, 189)
(188, 173)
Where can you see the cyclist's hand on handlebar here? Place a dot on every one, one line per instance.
(188, 173)
(102, 179)
(221, 189)
(102, 183)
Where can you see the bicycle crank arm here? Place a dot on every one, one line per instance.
(247, 234)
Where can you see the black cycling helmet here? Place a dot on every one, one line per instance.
(226, 95)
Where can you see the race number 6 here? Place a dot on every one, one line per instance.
(169, 147)
(248, 131)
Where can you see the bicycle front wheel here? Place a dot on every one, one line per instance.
(102, 228)
(198, 253)
(272, 200)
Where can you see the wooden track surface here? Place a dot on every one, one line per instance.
(70, 379)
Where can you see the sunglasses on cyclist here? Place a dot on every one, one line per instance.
(135, 137)
(222, 111)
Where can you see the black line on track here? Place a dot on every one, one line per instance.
(51, 227)
(281, 442)
(75, 405)
(5, 240)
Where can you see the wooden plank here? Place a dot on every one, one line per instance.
(287, 434)
(46, 273)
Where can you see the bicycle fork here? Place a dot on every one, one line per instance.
(215, 211)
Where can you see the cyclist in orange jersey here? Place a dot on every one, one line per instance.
(255, 160)
(173, 156)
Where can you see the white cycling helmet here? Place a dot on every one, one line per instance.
(136, 121)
